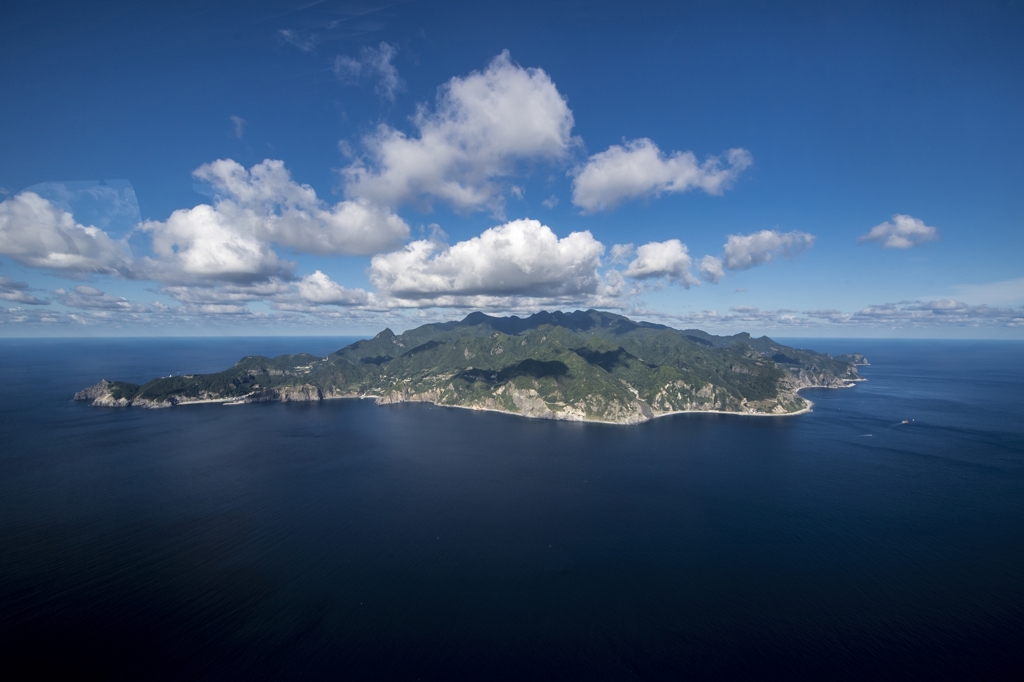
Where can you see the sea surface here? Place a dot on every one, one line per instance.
(347, 540)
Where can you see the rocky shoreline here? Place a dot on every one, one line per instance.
(529, 403)
(584, 366)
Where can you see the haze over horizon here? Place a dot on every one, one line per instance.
(335, 168)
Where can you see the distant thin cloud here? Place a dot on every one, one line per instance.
(373, 63)
(994, 293)
(305, 44)
(238, 123)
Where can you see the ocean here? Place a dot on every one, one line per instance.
(347, 540)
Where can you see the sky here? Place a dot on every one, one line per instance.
(272, 167)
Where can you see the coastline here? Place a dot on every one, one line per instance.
(809, 408)
(850, 383)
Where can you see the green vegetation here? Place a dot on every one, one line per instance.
(583, 365)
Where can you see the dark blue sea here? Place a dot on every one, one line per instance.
(347, 540)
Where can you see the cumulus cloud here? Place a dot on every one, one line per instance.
(372, 63)
(481, 126)
(110, 205)
(711, 269)
(230, 240)
(745, 251)
(206, 243)
(16, 292)
(91, 298)
(321, 289)
(640, 169)
(902, 232)
(35, 232)
(669, 259)
(519, 258)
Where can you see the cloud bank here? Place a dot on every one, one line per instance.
(91, 298)
(17, 292)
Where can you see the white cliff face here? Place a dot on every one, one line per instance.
(406, 396)
(529, 403)
(101, 395)
(304, 393)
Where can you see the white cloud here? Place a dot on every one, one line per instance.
(640, 169)
(319, 288)
(229, 294)
(35, 232)
(210, 243)
(481, 126)
(622, 252)
(91, 298)
(110, 204)
(946, 313)
(16, 292)
(746, 251)
(372, 63)
(669, 259)
(211, 310)
(302, 295)
(907, 314)
(231, 239)
(550, 202)
(711, 269)
(291, 215)
(522, 258)
(943, 312)
(902, 232)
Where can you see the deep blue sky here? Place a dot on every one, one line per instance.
(852, 113)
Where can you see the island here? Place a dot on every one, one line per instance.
(580, 366)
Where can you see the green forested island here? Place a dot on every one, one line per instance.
(581, 366)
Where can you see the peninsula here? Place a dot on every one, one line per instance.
(580, 366)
